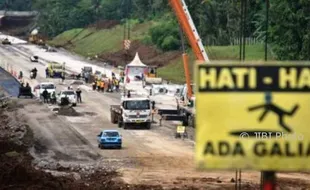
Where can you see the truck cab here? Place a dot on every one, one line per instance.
(183, 98)
(49, 86)
(132, 112)
(186, 106)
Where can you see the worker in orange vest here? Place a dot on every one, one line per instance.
(98, 85)
(102, 86)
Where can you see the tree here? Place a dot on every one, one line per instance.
(290, 29)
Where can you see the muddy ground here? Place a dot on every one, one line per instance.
(63, 150)
(18, 171)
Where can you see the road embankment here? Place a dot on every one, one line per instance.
(8, 83)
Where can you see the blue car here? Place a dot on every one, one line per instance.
(109, 139)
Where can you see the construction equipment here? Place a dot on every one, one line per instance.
(55, 70)
(25, 92)
(151, 76)
(186, 107)
(6, 41)
(36, 38)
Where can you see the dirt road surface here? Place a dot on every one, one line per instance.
(149, 156)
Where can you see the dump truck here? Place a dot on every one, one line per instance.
(132, 112)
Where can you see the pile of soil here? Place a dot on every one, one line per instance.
(104, 24)
(149, 55)
(68, 111)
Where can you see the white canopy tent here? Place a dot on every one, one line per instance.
(136, 62)
(133, 70)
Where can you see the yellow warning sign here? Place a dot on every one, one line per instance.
(253, 117)
(181, 129)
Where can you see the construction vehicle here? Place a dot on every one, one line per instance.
(35, 38)
(6, 41)
(55, 70)
(25, 91)
(133, 111)
(150, 77)
(186, 99)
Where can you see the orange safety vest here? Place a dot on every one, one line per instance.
(102, 84)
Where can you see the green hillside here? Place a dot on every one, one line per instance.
(90, 42)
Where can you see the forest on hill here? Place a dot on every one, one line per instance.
(218, 21)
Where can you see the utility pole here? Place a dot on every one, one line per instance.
(241, 30)
(244, 28)
(267, 25)
(128, 17)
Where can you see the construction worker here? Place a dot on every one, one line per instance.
(20, 75)
(45, 96)
(117, 85)
(102, 84)
(46, 72)
(109, 89)
(78, 95)
(63, 77)
(86, 77)
(98, 85)
(53, 98)
(94, 85)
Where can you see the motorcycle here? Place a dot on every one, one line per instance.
(33, 75)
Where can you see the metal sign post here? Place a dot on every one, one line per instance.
(269, 182)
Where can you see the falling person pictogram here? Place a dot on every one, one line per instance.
(269, 106)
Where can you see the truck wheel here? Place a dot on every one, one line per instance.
(125, 126)
(191, 121)
(185, 121)
(113, 118)
(148, 125)
(120, 124)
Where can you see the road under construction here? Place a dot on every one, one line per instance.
(150, 157)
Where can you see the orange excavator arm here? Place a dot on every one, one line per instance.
(188, 27)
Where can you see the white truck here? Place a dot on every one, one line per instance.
(70, 94)
(186, 107)
(132, 112)
(49, 86)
